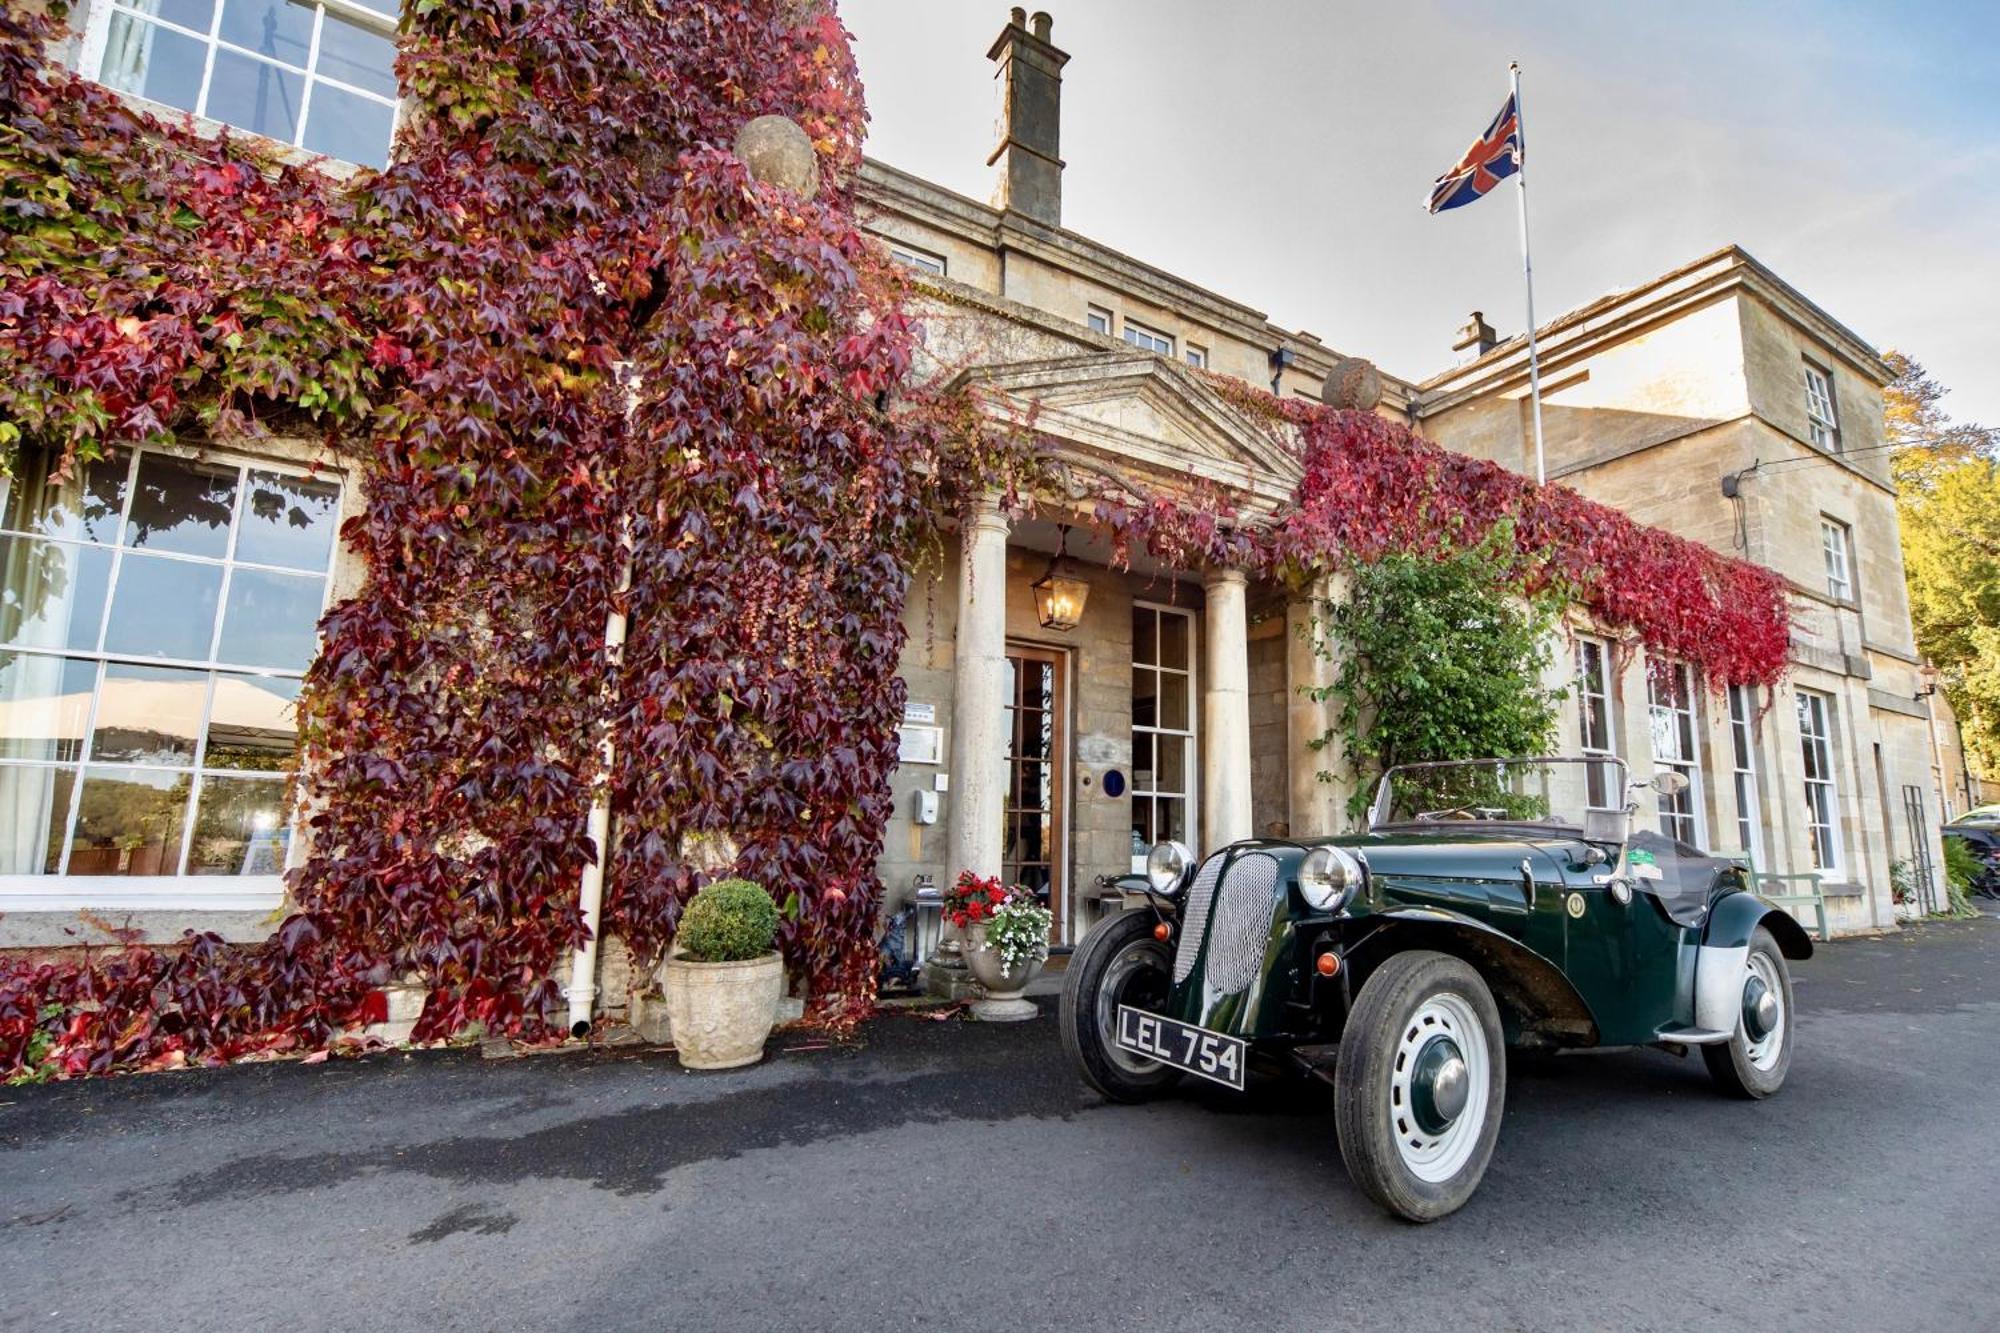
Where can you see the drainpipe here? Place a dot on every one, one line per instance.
(590, 889)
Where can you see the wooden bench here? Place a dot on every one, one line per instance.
(1814, 896)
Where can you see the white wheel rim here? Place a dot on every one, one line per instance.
(1438, 1157)
(1763, 1054)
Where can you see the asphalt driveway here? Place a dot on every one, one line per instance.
(956, 1176)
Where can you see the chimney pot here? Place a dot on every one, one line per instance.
(1029, 154)
(1476, 339)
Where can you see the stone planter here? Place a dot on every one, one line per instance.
(1004, 1002)
(721, 1013)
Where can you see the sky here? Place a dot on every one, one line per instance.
(1279, 153)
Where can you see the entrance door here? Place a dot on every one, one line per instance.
(1037, 791)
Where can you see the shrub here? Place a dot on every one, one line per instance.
(729, 921)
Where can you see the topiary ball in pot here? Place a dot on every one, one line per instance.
(728, 922)
(722, 980)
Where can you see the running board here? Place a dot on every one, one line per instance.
(1694, 1037)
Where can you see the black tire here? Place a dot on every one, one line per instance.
(1119, 962)
(1740, 1068)
(1398, 1014)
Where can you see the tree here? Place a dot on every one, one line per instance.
(1948, 498)
(1923, 436)
(1442, 657)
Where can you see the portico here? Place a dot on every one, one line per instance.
(1067, 750)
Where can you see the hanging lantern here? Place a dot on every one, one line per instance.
(1060, 593)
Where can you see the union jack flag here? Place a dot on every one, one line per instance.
(1494, 157)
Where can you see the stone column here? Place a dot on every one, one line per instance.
(1317, 807)
(1225, 711)
(978, 717)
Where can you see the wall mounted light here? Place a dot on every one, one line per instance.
(1060, 593)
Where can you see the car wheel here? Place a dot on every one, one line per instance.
(1119, 962)
(1420, 1085)
(1754, 1061)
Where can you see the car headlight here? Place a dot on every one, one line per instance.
(1328, 877)
(1167, 866)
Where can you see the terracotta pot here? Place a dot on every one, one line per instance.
(721, 1013)
(1003, 984)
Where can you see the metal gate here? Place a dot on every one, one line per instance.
(1923, 871)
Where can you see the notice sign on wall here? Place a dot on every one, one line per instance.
(914, 712)
(919, 744)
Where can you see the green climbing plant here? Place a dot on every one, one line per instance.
(1441, 656)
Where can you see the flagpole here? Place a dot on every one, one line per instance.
(1528, 272)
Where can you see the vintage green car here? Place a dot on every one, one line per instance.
(1491, 903)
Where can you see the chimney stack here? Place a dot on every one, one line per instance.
(1476, 339)
(1030, 149)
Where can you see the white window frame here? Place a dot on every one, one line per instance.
(1672, 714)
(1816, 723)
(923, 261)
(1836, 542)
(1822, 411)
(1598, 703)
(97, 34)
(1743, 771)
(1147, 338)
(1190, 737)
(174, 892)
(1197, 356)
(1099, 320)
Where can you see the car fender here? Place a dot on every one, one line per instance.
(1532, 989)
(1724, 960)
(1735, 917)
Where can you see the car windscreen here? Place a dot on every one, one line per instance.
(1561, 792)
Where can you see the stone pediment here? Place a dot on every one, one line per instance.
(1138, 414)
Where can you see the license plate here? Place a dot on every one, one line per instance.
(1205, 1054)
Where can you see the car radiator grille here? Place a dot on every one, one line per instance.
(1236, 921)
(1194, 917)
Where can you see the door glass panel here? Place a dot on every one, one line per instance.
(163, 608)
(129, 822)
(1030, 839)
(239, 827)
(148, 714)
(52, 593)
(182, 506)
(44, 707)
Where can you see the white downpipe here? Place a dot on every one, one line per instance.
(590, 889)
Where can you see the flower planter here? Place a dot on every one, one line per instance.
(721, 1013)
(1004, 1002)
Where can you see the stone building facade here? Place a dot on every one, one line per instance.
(1715, 401)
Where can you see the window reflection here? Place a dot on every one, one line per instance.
(239, 827)
(163, 608)
(182, 505)
(288, 521)
(140, 765)
(129, 822)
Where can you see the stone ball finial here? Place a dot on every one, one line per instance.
(778, 153)
(1353, 383)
